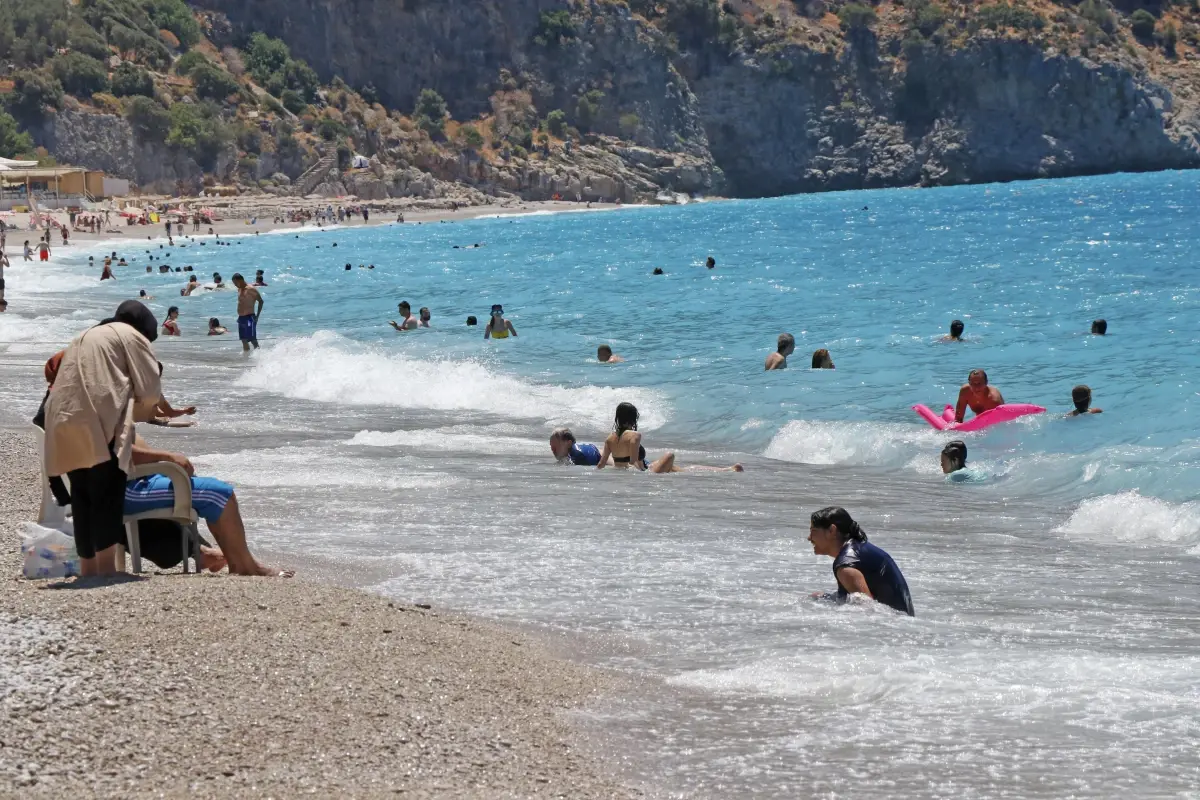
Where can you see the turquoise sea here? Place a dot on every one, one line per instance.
(1056, 647)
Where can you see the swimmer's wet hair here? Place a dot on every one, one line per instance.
(564, 434)
(836, 515)
(237, 276)
(956, 327)
(1081, 396)
(1100, 326)
(821, 359)
(627, 418)
(786, 340)
(956, 451)
(602, 349)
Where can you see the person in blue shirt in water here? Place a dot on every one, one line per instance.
(858, 566)
(954, 464)
(566, 449)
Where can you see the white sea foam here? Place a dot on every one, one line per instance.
(326, 368)
(442, 439)
(855, 443)
(1130, 517)
(311, 467)
(35, 335)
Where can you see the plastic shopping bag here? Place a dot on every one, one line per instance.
(49, 552)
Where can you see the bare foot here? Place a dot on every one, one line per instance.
(260, 571)
(211, 559)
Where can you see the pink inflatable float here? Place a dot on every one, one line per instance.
(1004, 413)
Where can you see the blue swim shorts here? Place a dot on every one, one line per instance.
(154, 492)
(247, 328)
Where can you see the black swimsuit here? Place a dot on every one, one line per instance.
(641, 457)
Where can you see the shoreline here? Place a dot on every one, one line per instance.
(18, 225)
(217, 686)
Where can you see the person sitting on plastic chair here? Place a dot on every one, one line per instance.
(213, 500)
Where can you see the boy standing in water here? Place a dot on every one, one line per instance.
(248, 296)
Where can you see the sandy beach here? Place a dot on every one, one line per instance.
(171, 685)
(250, 215)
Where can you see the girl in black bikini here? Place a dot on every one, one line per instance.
(624, 444)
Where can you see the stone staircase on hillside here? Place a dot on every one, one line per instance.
(315, 175)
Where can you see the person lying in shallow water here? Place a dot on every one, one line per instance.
(566, 449)
(859, 567)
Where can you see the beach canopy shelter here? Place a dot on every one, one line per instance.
(9, 163)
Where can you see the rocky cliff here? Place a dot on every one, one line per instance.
(796, 103)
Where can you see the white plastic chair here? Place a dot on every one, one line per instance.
(52, 514)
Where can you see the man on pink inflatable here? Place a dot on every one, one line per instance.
(977, 394)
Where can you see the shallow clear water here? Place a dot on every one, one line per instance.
(1055, 648)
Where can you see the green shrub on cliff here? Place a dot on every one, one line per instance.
(80, 75)
(149, 120)
(587, 109)
(999, 16)
(1142, 22)
(271, 64)
(1170, 38)
(926, 17)
(266, 56)
(856, 17)
(190, 62)
(176, 17)
(129, 80)
(1097, 13)
(556, 123)
(430, 112)
(33, 92)
(197, 129)
(13, 141)
(553, 28)
(212, 83)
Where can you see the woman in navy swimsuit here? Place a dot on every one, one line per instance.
(858, 566)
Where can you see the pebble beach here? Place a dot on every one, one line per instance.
(213, 686)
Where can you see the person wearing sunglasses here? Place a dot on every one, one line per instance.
(498, 327)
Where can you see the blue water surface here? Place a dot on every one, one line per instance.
(875, 277)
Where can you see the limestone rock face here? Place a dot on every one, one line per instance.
(691, 116)
(994, 110)
(106, 142)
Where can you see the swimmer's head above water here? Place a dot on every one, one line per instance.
(1100, 327)
(822, 360)
(603, 353)
(956, 329)
(977, 379)
(786, 344)
(472, 321)
(830, 528)
(954, 456)
(1081, 396)
(627, 418)
(561, 440)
